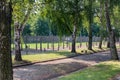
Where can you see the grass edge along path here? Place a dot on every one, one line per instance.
(102, 71)
(50, 56)
(39, 57)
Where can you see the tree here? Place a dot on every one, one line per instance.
(41, 28)
(89, 14)
(21, 12)
(102, 22)
(67, 15)
(115, 15)
(5, 40)
(111, 33)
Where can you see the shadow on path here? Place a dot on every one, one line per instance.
(52, 69)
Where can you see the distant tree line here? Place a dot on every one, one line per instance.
(41, 28)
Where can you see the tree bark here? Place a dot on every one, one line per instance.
(18, 31)
(74, 40)
(108, 44)
(63, 44)
(48, 45)
(76, 15)
(17, 43)
(90, 39)
(100, 43)
(74, 36)
(102, 24)
(58, 45)
(113, 49)
(90, 25)
(5, 41)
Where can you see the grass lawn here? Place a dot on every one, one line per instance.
(102, 71)
(44, 45)
(43, 56)
(52, 55)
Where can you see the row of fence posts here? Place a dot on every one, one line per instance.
(68, 45)
(65, 44)
(53, 47)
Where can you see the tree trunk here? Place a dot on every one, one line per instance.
(74, 41)
(18, 30)
(63, 45)
(47, 45)
(100, 44)
(113, 49)
(36, 46)
(40, 45)
(90, 25)
(90, 39)
(108, 44)
(5, 41)
(76, 15)
(17, 43)
(102, 24)
(74, 36)
(58, 45)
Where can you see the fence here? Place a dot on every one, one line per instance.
(45, 39)
(53, 43)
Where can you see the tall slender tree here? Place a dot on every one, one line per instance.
(100, 15)
(114, 54)
(5, 40)
(21, 12)
(89, 14)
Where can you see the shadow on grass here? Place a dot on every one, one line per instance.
(43, 57)
(21, 62)
(86, 51)
(63, 54)
(105, 56)
(99, 72)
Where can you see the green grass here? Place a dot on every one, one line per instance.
(86, 51)
(51, 55)
(43, 56)
(102, 71)
(44, 45)
(54, 55)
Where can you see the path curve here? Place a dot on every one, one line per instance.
(52, 69)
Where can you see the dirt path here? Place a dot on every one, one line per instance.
(48, 70)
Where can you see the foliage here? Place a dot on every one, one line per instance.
(41, 28)
(20, 8)
(27, 30)
(95, 30)
(62, 13)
